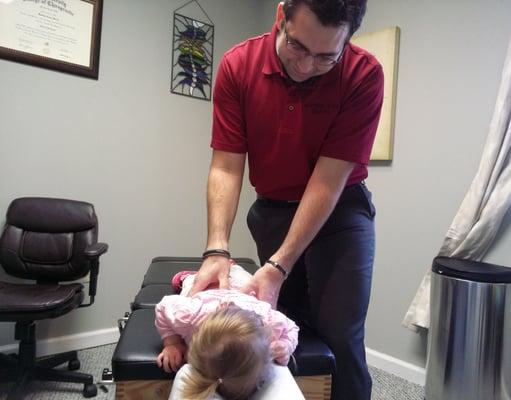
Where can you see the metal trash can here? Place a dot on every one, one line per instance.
(469, 341)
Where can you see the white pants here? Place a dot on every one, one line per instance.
(282, 386)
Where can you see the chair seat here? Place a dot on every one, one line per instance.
(32, 298)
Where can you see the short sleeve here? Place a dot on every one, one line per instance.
(228, 122)
(352, 134)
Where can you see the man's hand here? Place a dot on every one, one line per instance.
(265, 284)
(214, 269)
(172, 357)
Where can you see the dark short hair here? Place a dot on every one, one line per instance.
(331, 12)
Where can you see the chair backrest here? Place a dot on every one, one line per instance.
(44, 239)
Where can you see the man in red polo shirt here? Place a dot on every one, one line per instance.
(303, 103)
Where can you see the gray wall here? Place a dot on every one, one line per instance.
(451, 58)
(141, 155)
(124, 143)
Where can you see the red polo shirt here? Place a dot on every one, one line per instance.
(286, 126)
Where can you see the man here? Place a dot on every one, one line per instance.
(303, 104)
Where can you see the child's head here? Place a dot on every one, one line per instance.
(230, 354)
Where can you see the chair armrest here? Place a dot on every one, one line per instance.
(93, 252)
(96, 250)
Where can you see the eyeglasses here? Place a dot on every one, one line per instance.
(301, 51)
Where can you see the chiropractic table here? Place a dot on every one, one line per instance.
(134, 369)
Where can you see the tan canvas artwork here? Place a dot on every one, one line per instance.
(384, 45)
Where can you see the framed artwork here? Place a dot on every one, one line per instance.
(192, 57)
(384, 45)
(62, 35)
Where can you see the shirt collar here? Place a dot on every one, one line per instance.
(272, 64)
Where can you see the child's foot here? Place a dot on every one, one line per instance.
(177, 280)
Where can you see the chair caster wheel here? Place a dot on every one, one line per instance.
(73, 365)
(90, 390)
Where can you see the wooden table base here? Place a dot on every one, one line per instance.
(312, 387)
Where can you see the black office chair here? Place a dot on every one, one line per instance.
(48, 241)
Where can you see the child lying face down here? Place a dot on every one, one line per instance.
(232, 337)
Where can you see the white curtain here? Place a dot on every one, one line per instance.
(479, 217)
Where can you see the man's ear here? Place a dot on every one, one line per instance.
(279, 17)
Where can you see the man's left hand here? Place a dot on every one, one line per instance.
(265, 284)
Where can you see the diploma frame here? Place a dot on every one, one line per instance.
(89, 69)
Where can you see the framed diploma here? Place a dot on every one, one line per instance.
(63, 35)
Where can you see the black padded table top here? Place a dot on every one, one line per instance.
(135, 355)
(139, 345)
(149, 296)
(162, 269)
(313, 357)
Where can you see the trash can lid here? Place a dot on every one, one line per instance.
(471, 270)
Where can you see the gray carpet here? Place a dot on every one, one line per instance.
(385, 386)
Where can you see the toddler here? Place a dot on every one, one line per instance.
(227, 337)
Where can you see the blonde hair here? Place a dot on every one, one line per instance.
(230, 354)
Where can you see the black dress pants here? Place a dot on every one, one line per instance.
(329, 286)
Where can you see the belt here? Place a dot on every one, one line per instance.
(292, 203)
(277, 203)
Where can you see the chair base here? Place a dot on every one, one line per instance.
(312, 387)
(22, 368)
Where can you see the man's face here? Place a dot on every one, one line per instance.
(307, 48)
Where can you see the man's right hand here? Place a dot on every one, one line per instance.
(214, 269)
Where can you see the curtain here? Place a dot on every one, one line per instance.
(485, 205)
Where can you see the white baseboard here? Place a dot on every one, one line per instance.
(389, 364)
(397, 367)
(71, 342)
